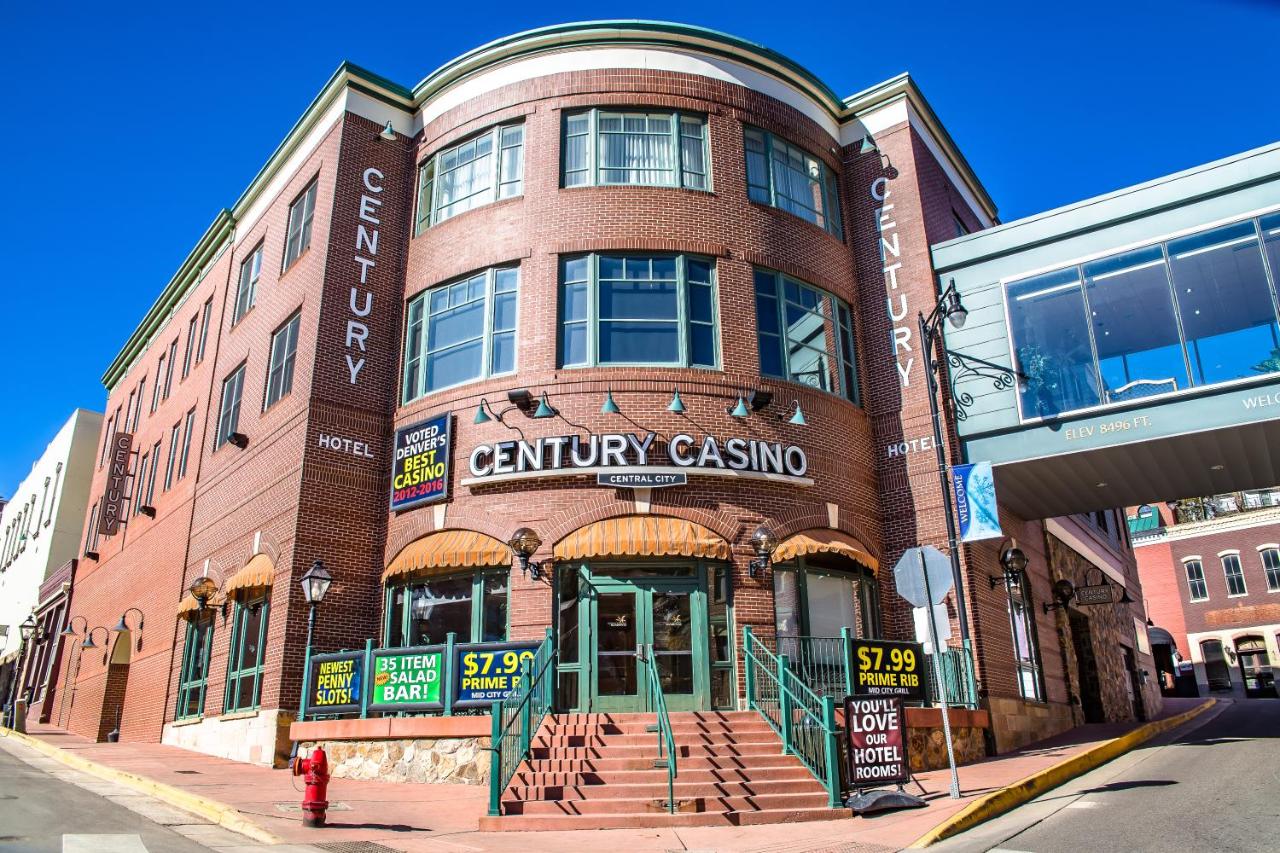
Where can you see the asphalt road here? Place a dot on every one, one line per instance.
(45, 806)
(1213, 785)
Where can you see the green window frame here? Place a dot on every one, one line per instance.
(245, 663)
(866, 603)
(482, 623)
(789, 178)
(474, 317)
(635, 147)
(479, 170)
(194, 676)
(795, 321)
(603, 297)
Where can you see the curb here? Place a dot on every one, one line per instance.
(1020, 792)
(212, 810)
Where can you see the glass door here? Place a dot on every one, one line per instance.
(630, 615)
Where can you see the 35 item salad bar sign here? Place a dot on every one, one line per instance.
(420, 463)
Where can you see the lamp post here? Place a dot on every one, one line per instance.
(26, 630)
(315, 584)
(122, 626)
(950, 308)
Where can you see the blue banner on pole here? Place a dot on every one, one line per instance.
(976, 511)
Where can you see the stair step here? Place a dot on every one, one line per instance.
(751, 803)
(643, 776)
(639, 716)
(550, 823)
(684, 790)
(559, 764)
(650, 750)
(677, 728)
(559, 739)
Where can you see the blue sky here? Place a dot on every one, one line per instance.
(128, 126)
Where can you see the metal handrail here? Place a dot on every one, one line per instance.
(517, 717)
(666, 736)
(805, 721)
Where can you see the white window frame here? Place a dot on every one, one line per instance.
(1186, 574)
(302, 212)
(678, 171)
(284, 352)
(1226, 576)
(429, 207)
(247, 286)
(1263, 550)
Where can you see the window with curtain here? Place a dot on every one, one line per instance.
(789, 178)
(638, 309)
(1271, 565)
(461, 331)
(1234, 573)
(245, 662)
(473, 606)
(475, 172)
(1195, 580)
(636, 148)
(194, 676)
(805, 335)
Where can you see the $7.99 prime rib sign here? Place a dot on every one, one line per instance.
(876, 740)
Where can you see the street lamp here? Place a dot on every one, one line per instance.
(122, 626)
(524, 543)
(26, 630)
(70, 631)
(88, 637)
(315, 585)
(763, 541)
(949, 307)
(202, 590)
(1014, 563)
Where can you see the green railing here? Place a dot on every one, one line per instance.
(666, 737)
(805, 721)
(826, 666)
(516, 719)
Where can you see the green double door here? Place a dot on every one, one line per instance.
(636, 623)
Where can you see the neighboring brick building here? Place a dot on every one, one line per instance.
(1210, 570)
(667, 255)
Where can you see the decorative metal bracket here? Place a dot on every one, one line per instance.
(961, 366)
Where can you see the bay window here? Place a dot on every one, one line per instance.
(658, 148)
(473, 606)
(638, 309)
(461, 331)
(472, 173)
(786, 177)
(805, 335)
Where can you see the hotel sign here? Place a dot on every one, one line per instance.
(121, 448)
(876, 740)
(420, 466)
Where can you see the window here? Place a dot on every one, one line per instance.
(1271, 564)
(1195, 581)
(638, 309)
(472, 606)
(229, 412)
(636, 148)
(1026, 643)
(1189, 312)
(168, 374)
(194, 676)
(191, 346)
(788, 178)
(469, 175)
(245, 663)
(186, 443)
(805, 335)
(1234, 573)
(284, 347)
(461, 331)
(247, 289)
(170, 467)
(301, 213)
(205, 316)
(151, 477)
(91, 532)
(155, 392)
(107, 435)
(957, 222)
(140, 484)
(818, 596)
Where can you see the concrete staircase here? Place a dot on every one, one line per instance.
(596, 771)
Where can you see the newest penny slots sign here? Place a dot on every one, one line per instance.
(884, 668)
(335, 683)
(420, 466)
(877, 746)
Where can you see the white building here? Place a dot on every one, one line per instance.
(41, 527)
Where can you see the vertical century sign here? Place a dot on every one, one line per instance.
(121, 448)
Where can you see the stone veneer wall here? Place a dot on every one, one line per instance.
(927, 747)
(254, 737)
(1016, 723)
(461, 760)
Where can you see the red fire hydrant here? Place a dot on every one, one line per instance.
(316, 771)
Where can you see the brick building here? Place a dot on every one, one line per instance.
(622, 286)
(1210, 568)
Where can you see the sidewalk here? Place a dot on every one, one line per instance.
(444, 818)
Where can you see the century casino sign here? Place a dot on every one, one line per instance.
(560, 455)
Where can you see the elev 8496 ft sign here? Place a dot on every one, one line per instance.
(420, 466)
(884, 668)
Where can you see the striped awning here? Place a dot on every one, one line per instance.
(642, 536)
(259, 572)
(445, 550)
(824, 541)
(188, 606)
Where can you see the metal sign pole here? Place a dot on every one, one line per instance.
(937, 675)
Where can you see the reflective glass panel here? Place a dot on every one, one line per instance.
(1051, 341)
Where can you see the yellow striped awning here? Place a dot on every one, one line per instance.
(188, 606)
(642, 536)
(824, 541)
(260, 571)
(444, 550)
